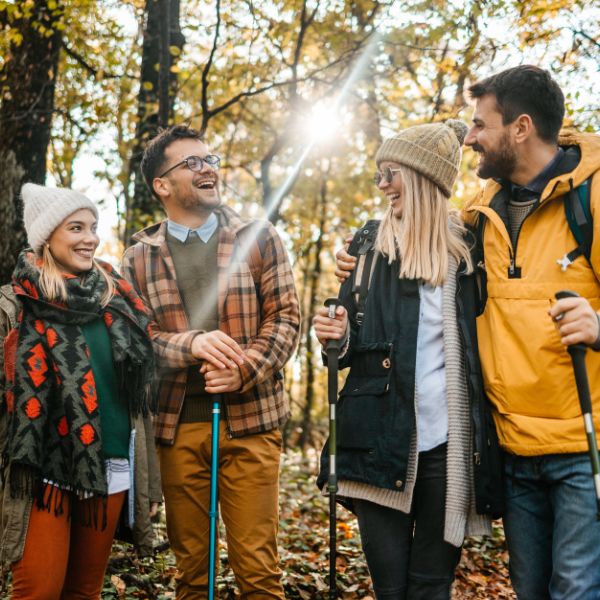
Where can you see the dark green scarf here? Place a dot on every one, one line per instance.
(54, 431)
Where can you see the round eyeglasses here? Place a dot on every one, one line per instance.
(387, 175)
(196, 163)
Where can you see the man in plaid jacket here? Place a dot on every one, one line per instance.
(226, 319)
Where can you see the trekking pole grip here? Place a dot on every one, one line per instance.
(332, 304)
(578, 352)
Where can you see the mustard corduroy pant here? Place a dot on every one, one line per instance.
(248, 503)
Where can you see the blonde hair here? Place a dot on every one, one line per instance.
(52, 281)
(427, 231)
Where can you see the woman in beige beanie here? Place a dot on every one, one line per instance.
(415, 442)
(76, 371)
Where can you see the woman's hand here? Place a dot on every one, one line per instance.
(327, 328)
(153, 509)
(344, 262)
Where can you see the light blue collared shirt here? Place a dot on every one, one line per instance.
(204, 232)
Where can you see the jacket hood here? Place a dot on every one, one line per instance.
(155, 234)
(589, 146)
(589, 149)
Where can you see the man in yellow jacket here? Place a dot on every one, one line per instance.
(550, 521)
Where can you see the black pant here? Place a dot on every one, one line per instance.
(406, 553)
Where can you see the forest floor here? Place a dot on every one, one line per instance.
(304, 549)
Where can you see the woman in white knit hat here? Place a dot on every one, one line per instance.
(77, 370)
(415, 442)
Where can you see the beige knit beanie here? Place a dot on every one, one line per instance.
(44, 209)
(433, 150)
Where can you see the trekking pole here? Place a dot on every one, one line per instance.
(213, 511)
(577, 352)
(333, 350)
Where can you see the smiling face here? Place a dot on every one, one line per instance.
(393, 191)
(74, 242)
(491, 139)
(183, 190)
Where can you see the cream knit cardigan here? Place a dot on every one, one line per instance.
(461, 519)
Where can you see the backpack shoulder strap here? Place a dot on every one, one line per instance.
(579, 217)
(362, 246)
(478, 256)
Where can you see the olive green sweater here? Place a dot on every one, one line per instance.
(196, 269)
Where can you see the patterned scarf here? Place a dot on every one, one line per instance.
(54, 432)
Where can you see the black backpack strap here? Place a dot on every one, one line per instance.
(578, 214)
(362, 246)
(478, 258)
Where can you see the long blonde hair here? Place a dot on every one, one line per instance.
(52, 281)
(427, 231)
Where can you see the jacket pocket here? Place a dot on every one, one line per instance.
(358, 412)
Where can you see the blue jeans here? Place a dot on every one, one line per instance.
(551, 529)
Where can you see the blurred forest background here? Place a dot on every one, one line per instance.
(295, 95)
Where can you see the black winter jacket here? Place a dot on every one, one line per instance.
(375, 413)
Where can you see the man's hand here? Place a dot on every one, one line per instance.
(219, 381)
(576, 321)
(344, 262)
(218, 349)
(327, 328)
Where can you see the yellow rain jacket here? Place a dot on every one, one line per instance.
(527, 372)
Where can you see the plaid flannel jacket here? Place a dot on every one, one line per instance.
(267, 328)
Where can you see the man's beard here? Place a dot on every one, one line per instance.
(198, 201)
(499, 164)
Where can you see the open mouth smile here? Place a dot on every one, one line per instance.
(206, 184)
(84, 253)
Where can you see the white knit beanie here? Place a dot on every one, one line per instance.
(45, 208)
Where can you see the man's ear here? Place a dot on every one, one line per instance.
(523, 128)
(160, 187)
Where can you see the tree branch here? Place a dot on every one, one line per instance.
(206, 70)
(584, 35)
(87, 66)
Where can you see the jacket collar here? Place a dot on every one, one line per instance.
(155, 235)
(585, 146)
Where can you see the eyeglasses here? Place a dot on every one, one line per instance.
(388, 175)
(196, 163)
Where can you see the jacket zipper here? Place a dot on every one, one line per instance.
(512, 268)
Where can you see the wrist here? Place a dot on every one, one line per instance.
(596, 345)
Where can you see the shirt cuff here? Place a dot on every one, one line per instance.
(344, 344)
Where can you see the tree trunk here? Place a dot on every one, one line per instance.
(306, 426)
(27, 82)
(142, 207)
